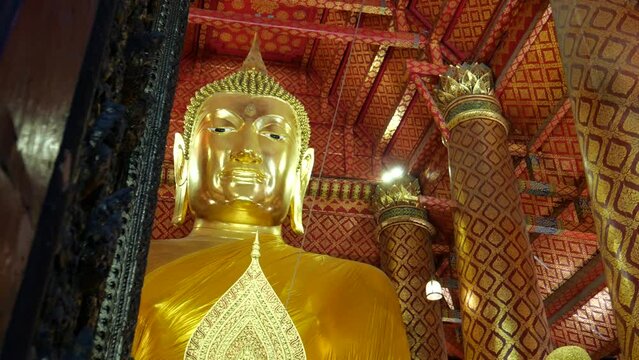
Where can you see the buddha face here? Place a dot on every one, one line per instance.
(243, 162)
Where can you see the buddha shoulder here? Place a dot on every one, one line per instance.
(353, 275)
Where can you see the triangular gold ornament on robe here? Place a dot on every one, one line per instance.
(248, 322)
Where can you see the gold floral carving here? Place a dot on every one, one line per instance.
(248, 322)
(264, 6)
(466, 92)
(465, 79)
(403, 191)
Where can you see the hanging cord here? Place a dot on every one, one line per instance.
(326, 148)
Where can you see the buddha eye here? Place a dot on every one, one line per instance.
(274, 136)
(221, 130)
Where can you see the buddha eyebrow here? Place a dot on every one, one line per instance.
(225, 114)
(273, 119)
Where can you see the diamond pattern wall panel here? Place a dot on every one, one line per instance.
(329, 159)
(591, 327)
(339, 228)
(469, 26)
(359, 61)
(537, 85)
(163, 228)
(601, 70)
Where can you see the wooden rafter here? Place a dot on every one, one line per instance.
(221, 19)
(365, 6)
(365, 89)
(496, 28)
(446, 15)
(432, 106)
(587, 282)
(396, 119)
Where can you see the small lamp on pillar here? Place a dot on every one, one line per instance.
(434, 290)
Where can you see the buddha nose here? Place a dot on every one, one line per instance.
(246, 156)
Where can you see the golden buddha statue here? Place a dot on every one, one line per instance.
(241, 167)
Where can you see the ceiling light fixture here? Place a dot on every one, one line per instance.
(392, 174)
(434, 290)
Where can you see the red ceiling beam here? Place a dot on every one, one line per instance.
(238, 21)
(496, 29)
(552, 190)
(446, 16)
(424, 150)
(519, 54)
(366, 6)
(534, 224)
(364, 93)
(432, 106)
(395, 120)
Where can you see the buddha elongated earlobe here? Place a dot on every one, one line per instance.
(297, 203)
(181, 183)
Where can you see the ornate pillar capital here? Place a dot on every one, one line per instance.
(466, 92)
(397, 201)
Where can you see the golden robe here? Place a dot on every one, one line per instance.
(342, 309)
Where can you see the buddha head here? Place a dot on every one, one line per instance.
(244, 156)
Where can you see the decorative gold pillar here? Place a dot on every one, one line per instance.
(406, 256)
(599, 46)
(502, 310)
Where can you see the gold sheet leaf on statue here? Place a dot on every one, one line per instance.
(248, 322)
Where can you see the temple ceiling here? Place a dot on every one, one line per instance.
(365, 70)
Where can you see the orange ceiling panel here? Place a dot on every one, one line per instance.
(428, 10)
(561, 257)
(520, 23)
(275, 45)
(536, 86)
(388, 93)
(469, 25)
(560, 160)
(323, 62)
(350, 83)
(414, 125)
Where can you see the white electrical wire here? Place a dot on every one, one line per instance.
(328, 142)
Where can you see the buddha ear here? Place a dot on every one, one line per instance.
(297, 203)
(181, 183)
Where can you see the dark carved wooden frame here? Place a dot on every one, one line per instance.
(80, 291)
(118, 313)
